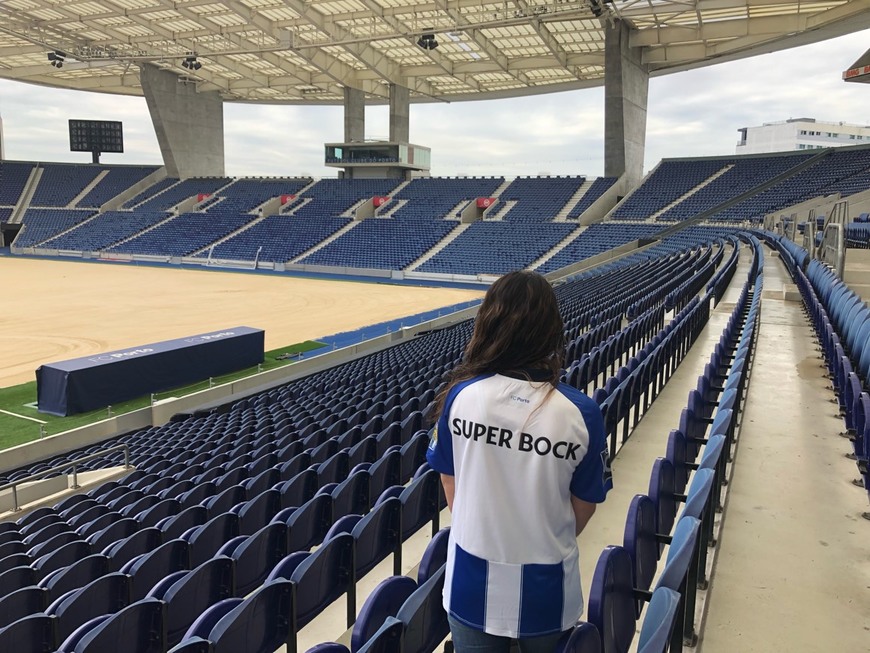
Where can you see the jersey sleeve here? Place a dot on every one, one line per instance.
(439, 455)
(592, 478)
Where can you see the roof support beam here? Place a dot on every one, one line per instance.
(364, 52)
(478, 37)
(442, 62)
(549, 40)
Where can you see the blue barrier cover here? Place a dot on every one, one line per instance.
(82, 384)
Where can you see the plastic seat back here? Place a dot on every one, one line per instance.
(256, 557)
(583, 638)
(140, 626)
(680, 553)
(33, 634)
(640, 541)
(22, 603)
(612, 606)
(308, 525)
(384, 601)
(377, 535)
(322, 577)
(655, 633)
(434, 557)
(424, 616)
(189, 597)
(259, 624)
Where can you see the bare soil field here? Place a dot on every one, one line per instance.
(55, 310)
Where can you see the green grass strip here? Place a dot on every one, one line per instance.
(21, 399)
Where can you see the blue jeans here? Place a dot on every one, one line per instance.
(470, 640)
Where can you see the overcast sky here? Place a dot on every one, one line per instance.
(695, 113)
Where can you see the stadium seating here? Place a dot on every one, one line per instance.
(151, 191)
(40, 225)
(414, 228)
(224, 503)
(538, 199)
(61, 183)
(14, 177)
(118, 179)
(497, 247)
(595, 191)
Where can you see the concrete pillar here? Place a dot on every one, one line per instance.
(354, 115)
(400, 114)
(189, 125)
(626, 87)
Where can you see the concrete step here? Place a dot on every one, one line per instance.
(441, 244)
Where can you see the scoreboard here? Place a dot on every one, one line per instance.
(96, 136)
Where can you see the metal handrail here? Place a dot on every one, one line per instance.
(75, 474)
(832, 249)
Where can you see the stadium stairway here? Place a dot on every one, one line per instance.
(326, 241)
(26, 195)
(501, 209)
(567, 240)
(449, 238)
(87, 189)
(793, 535)
(392, 207)
(708, 180)
(562, 215)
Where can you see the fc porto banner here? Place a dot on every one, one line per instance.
(485, 202)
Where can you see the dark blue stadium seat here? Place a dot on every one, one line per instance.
(384, 601)
(377, 535)
(612, 607)
(32, 634)
(256, 555)
(21, 603)
(308, 524)
(149, 568)
(260, 624)
(121, 552)
(105, 595)
(141, 626)
(583, 638)
(77, 574)
(323, 577)
(190, 596)
(424, 617)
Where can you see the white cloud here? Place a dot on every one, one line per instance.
(694, 113)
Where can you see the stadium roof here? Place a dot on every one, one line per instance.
(305, 51)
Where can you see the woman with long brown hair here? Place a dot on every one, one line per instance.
(523, 461)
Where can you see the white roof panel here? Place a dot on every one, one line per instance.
(305, 51)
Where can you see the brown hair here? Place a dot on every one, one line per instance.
(518, 327)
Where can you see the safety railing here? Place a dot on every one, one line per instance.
(13, 485)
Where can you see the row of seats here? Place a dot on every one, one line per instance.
(622, 575)
(118, 179)
(38, 225)
(337, 418)
(625, 574)
(497, 247)
(13, 179)
(538, 199)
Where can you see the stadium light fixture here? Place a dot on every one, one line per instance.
(191, 63)
(56, 58)
(427, 40)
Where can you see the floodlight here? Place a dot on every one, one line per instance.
(427, 41)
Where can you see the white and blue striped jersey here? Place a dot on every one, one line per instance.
(518, 450)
